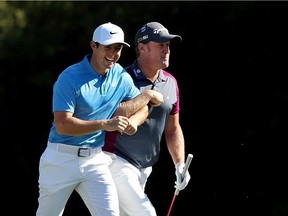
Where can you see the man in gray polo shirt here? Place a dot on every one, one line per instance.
(135, 155)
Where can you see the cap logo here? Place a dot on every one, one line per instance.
(113, 32)
(143, 29)
(142, 38)
(157, 31)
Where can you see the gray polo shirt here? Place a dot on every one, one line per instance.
(142, 149)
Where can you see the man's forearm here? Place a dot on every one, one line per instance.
(140, 116)
(128, 108)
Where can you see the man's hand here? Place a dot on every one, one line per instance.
(117, 123)
(156, 99)
(181, 183)
(131, 129)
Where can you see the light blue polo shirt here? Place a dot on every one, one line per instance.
(89, 96)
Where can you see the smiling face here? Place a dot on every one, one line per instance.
(104, 57)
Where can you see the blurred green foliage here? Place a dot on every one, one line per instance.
(39, 38)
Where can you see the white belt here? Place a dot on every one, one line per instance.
(75, 150)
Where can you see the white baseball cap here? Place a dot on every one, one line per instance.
(108, 33)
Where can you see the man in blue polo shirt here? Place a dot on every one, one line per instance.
(85, 96)
(135, 155)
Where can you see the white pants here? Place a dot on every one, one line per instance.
(130, 183)
(61, 173)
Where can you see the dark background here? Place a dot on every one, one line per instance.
(232, 72)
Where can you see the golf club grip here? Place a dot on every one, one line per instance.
(187, 164)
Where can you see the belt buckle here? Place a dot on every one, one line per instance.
(82, 152)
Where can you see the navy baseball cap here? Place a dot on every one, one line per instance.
(154, 31)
